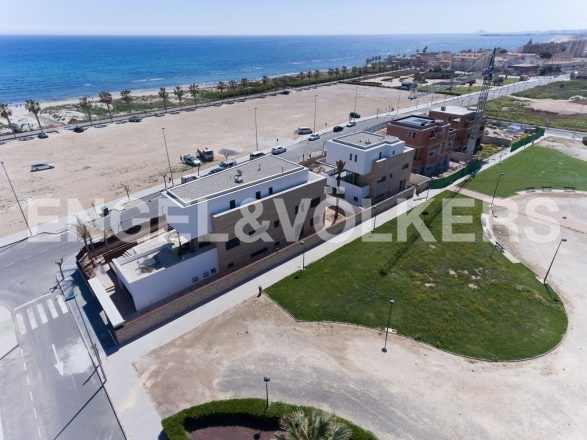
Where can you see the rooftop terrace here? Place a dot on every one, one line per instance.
(365, 140)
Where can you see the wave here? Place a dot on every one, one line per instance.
(147, 80)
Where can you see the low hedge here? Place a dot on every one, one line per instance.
(218, 412)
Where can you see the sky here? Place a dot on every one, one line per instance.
(286, 17)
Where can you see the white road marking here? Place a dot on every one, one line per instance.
(35, 412)
(39, 431)
(32, 319)
(28, 382)
(52, 308)
(20, 323)
(33, 300)
(31, 394)
(62, 305)
(42, 313)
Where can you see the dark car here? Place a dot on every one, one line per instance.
(134, 119)
(42, 135)
(78, 129)
(354, 115)
(338, 128)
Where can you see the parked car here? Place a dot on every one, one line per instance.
(278, 150)
(285, 92)
(256, 155)
(39, 166)
(134, 119)
(338, 128)
(351, 124)
(188, 178)
(314, 137)
(159, 115)
(78, 129)
(42, 135)
(206, 155)
(190, 159)
(354, 115)
(227, 164)
(304, 130)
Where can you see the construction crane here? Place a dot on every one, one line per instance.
(483, 68)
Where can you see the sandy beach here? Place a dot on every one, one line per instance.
(94, 165)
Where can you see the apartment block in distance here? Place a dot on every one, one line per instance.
(260, 198)
(461, 119)
(376, 167)
(432, 141)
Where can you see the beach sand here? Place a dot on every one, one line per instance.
(95, 164)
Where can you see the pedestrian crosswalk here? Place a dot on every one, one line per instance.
(32, 316)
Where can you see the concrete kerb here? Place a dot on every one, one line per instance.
(8, 341)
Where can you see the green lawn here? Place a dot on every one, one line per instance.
(557, 90)
(448, 294)
(536, 166)
(511, 109)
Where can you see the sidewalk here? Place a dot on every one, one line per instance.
(8, 340)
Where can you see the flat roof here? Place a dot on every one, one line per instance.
(252, 171)
(365, 140)
(416, 121)
(454, 110)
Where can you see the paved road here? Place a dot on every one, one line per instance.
(39, 399)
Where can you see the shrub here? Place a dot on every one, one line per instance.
(242, 410)
(585, 140)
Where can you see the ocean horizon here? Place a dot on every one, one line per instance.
(61, 67)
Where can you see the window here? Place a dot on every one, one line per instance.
(195, 279)
(270, 190)
(355, 199)
(206, 274)
(258, 195)
(202, 244)
(277, 244)
(390, 175)
(382, 179)
(315, 202)
(431, 153)
(232, 243)
(312, 221)
(380, 154)
(232, 204)
(230, 265)
(213, 270)
(406, 165)
(402, 184)
(355, 157)
(276, 224)
(350, 156)
(297, 209)
(259, 252)
(432, 134)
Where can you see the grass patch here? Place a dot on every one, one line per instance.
(536, 166)
(448, 294)
(511, 109)
(242, 411)
(556, 90)
(488, 150)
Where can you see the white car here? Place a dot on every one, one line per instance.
(351, 124)
(278, 150)
(314, 137)
(40, 166)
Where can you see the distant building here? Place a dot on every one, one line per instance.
(525, 69)
(376, 167)
(204, 215)
(575, 48)
(461, 62)
(461, 120)
(431, 139)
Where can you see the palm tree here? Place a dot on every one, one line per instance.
(316, 75)
(221, 87)
(178, 92)
(106, 98)
(265, 81)
(344, 70)
(244, 85)
(309, 76)
(164, 95)
(338, 170)
(125, 96)
(34, 108)
(86, 105)
(194, 91)
(232, 86)
(6, 113)
(336, 72)
(301, 77)
(314, 425)
(84, 231)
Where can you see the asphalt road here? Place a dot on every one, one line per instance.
(49, 386)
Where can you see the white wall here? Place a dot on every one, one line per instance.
(195, 220)
(363, 165)
(165, 282)
(350, 191)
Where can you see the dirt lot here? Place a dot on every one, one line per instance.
(413, 391)
(572, 147)
(560, 106)
(96, 163)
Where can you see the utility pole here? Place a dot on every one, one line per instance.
(315, 96)
(16, 198)
(256, 134)
(168, 161)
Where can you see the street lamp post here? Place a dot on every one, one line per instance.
(356, 94)
(553, 258)
(399, 95)
(495, 190)
(168, 161)
(391, 303)
(60, 264)
(16, 198)
(256, 133)
(374, 217)
(267, 379)
(303, 254)
(315, 96)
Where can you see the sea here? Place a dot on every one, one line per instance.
(57, 67)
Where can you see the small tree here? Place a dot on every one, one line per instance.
(126, 189)
(194, 91)
(221, 88)
(164, 95)
(178, 92)
(585, 140)
(34, 108)
(232, 86)
(338, 169)
(313, 425)
(265, 81)
(6, 113)
(227, 152)
(245, 85)
(86, 105)
(127, 98)
(84, 231)
(106, 99)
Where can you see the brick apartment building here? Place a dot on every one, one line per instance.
(431, 139)
(461, 120)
